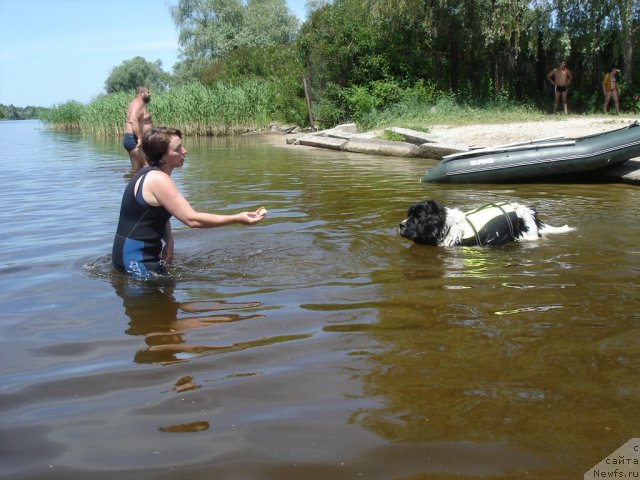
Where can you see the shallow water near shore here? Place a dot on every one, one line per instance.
(317, 344)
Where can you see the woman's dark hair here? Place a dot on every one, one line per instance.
(155, 143)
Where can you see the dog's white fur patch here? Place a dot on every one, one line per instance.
(454, 225)
(529, 218)
(547, 229)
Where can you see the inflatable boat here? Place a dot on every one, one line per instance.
(539, 159)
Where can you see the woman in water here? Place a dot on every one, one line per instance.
(150, 200)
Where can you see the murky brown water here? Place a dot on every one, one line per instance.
(318, 344)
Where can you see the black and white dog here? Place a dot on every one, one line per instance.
(429, 223)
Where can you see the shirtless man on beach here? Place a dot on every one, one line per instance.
(138, 121)
(560, 77)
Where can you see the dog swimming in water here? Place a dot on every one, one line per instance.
(430, 223)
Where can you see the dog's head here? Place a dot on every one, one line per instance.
(424, 223)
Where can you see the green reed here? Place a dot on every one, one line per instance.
(222, 109)
(66, 116)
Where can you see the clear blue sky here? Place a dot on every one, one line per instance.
(52, 51)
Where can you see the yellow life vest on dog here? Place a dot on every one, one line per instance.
(493, 224)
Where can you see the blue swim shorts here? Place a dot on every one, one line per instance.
(130, 141)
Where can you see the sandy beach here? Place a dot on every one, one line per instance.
(487, 135)
(491, 134)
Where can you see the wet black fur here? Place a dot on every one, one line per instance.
(424, 223)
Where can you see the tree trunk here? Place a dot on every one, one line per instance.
(628, 33)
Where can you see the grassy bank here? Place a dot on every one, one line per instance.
(252, 105)
(445, 111)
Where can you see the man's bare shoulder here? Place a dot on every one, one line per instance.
(136, 104)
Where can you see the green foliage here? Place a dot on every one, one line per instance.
(277, 65)
(258, 62)
(361, 101)
(210, 29)
(267, 22)
(415, 107)
(331, 108)
(137, 72)
(105, 115)
(66, 116)
(219, 109)
(340, 46)
(392, 136)
(629, 98)
(444, 109)
(366, 105)
(11, 112)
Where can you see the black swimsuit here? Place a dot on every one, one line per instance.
(138, 241)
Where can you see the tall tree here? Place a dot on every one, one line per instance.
(209, 29)
(135, 73)
(630, 22)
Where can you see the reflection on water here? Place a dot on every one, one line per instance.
(317, 344)
(165, 323)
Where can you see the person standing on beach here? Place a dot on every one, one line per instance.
(138, 121)
(610, 89)
(560, 77)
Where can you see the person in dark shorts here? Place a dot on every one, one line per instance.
(150, 200)
(560, 77)
(137, 122)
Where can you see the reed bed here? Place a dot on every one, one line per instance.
(106, 114)
(66, 116)
(222, 109)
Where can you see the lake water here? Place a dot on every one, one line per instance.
(317, 344)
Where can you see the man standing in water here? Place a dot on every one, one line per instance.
(137, 122)
(560, 77)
